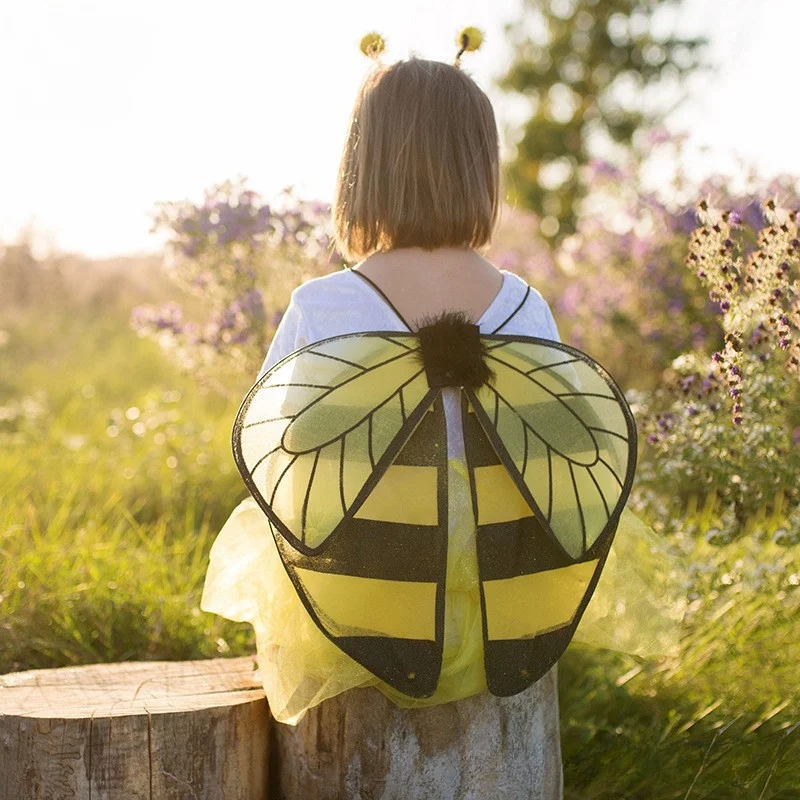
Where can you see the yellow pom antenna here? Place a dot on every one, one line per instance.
(372, 45)
(468, 39)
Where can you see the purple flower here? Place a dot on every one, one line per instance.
(602, 167)
(190, 248)
(658, 136)
(319, 207)
(253, 303)
(686, 221)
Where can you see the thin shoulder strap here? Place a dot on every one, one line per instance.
(381, 293)
(514, 312)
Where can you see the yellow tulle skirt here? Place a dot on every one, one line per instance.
(637, 608)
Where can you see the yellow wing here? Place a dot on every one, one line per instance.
(565, 433)
(337, 445)
(317, 429)
(551, 445)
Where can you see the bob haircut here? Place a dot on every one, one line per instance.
(421, 162)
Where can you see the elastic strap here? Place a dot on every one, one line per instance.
(381, 293)
(514, 312)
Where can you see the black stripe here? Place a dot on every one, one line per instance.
(481, 452)
(420, 450)
(393, 551)
(517, 547)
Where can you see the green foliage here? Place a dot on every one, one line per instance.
(573, 59)
(746, 454)
(721, 719)
(105, 530)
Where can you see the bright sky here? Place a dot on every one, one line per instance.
(111, 106)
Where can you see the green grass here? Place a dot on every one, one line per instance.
(104, 543)
(721, 720)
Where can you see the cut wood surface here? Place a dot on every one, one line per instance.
(149, 730)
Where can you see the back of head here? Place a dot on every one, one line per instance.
(421, 163)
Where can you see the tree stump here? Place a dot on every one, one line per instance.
(360, 745)
(151, 730)
(201, 730)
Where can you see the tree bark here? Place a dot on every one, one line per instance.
(152, 730)
(360, 745)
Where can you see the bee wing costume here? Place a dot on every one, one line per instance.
(343, 445)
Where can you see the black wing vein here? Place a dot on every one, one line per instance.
(280, 478)
(578, 504)
(611, 469)
(304, 512)
(525, 424)
(610, 433)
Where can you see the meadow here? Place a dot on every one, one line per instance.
(116, 475)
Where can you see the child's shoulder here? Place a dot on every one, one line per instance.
(521, 285)
(324, 286)
(520, 293)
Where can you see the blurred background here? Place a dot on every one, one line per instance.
(166, 171)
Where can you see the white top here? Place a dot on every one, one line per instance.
(343, 302)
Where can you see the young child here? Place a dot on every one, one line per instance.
(417, 201)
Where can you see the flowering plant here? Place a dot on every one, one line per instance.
(728, 425)
(239, 258)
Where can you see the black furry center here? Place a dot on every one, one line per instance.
(452, 351)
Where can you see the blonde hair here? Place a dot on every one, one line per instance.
(421, 162)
